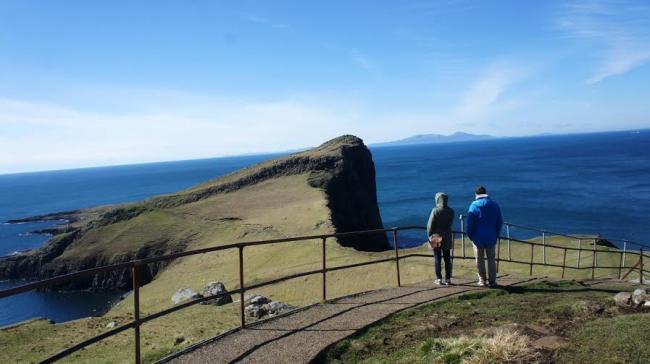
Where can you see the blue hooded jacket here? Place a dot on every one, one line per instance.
(484, 222)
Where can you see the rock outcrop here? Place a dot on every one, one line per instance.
(341, 168)
(260, 307)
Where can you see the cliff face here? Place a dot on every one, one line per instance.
(352, 193)
(342, 169)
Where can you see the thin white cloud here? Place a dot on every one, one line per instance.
(620, 28)
(159, 125)
(363, 62)
(485, 96)
(39, 136)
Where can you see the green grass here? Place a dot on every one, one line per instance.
(455, 330)
(596, 342)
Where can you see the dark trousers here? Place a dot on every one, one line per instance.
(438, 255)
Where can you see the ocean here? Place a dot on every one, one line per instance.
(580, 184)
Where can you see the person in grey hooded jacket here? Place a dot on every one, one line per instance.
(440, 222)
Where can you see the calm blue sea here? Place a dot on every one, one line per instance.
(592, 183)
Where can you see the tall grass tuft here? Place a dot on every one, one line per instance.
(502, 345)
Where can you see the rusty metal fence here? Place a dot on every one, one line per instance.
(135, 266)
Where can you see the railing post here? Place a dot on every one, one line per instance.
(462, 233)
(508, 235)
(593, 262)
(136, 311)
(532, 253)
(620, 266)
(241, 287)
(563, 262)
(579, 252)
(453, 246)
(399, 282)
(498, 253)
(324, 271)
(544, 247)
(641, 265)
(595, 255)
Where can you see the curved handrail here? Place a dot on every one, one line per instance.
(135, 264)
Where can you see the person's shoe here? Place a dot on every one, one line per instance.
(481, 283)
(437, 281)
(493, 285)
(448, 282)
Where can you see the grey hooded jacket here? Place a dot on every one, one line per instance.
(441, 220)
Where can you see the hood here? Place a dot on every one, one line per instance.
(441, 199)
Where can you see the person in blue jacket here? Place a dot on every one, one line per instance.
(484, 223)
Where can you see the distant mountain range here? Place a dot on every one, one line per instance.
(435, 139)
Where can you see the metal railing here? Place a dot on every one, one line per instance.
(579, 239)
(135, 266)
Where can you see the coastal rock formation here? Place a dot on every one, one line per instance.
(334, 182)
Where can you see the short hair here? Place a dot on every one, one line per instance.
(480, 190)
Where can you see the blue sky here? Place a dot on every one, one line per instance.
(86, 83)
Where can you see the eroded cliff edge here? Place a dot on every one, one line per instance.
(342, 169)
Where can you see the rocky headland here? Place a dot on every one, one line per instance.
(271, 198)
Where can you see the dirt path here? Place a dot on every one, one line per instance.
(299, 337)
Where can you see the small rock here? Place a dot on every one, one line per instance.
(178, 340)
(184, 294)
(623, 299)
(640, 296)
(214, 288)
(550, 342)
(111, 325)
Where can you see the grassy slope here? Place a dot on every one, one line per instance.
(563, 308)
(30, 342)
(286, 206)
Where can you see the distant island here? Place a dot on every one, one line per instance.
(435, 139)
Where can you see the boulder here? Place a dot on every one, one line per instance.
(184, 295)
(214, 288)
(640, 296)
(255, 311)
(623, 299)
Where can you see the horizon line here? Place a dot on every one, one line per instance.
(289, 151)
